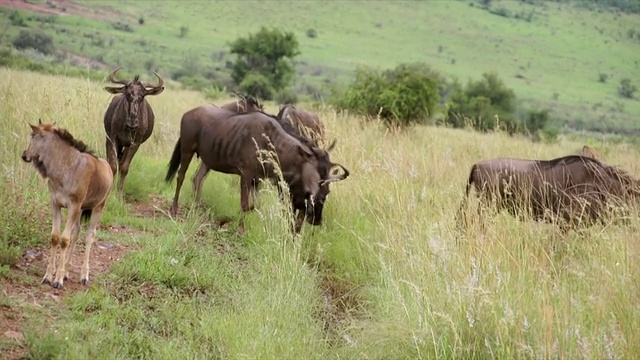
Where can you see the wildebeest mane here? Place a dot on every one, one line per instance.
(69, 139)
(136, 78)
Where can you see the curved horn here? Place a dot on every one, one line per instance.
(157, 86)
(334, 177)
(112, 77)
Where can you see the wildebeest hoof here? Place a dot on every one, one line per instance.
(65, 278)
(84, 282)
(57, 285)
(46, 281)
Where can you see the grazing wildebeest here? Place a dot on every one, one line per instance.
(128, 121)
(229, 144)
(78, 181)
(589, 152)
(571, 190)
(306, 122)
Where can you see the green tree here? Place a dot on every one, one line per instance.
(263, 65)
(405, 95)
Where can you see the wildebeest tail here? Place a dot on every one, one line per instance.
(86, 215)
(174, 163)
(470, 181)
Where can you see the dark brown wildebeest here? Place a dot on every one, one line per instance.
(128, 121)
(230, 144)
(571, 190)
(78, 181)
(589, 152)
(307, 123)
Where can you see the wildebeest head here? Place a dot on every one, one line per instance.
(134, 92)
(310, 195)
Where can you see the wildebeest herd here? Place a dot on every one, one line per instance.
(288, 150)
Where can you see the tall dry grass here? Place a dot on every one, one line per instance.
(399, 278)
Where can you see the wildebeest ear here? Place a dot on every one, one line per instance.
(35, 128)
(114, 89)
(305, 152)
(332, 145)
(154, 90)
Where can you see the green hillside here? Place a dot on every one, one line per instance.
(551, 54)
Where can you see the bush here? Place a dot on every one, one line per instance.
(627, 89)
(603, 78)
(312, 33)
(37, 40)
(257, 85)
(486, 104)
(402, 96)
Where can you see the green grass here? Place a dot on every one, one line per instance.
(552, 61)
(387, 276)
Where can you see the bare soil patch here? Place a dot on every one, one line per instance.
(23, 289)
(64, 7)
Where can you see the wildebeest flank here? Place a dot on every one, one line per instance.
(128, 121)
(229, 144)
(78, 181)
(573, 189)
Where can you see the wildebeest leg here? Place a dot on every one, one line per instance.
(253, 193)
(245, 192)
(74, 238)
(96, 215)
(185, 160)
(55, 241)
(299, 221)
(112, 157)
(127, 156)
(73, 217)
(203, 170)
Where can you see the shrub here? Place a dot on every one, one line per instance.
(626, 89)
(184, 30)
(16, 19)
(257, 85)
(603, 78)
(37, 40)
(312, 33)
(402, 96)
(486, 104)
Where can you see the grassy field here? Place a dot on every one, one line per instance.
(551, 54)
(387, 276)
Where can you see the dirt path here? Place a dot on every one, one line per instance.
(62, 8)
(22, 288)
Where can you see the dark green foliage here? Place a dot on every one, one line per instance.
(312, 33)
(537, 126)
(184, 30)
(257, 84)
(603, 78)
(122, 26)
(16, 19)
(485, 104)
(627, 89)
(34, 39)
(263, 61)
(402, 96)
(141, 20)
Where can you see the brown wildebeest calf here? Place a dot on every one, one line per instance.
(128, 121)
(572, 189)
(230, 144)
(78, 181)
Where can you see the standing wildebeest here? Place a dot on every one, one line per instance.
(78, 181)
(128, 121)
(230, 144)
(306, 122)
(574, 189)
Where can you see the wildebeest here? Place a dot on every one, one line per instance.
(78, 181)
(306, 122)
(589, 152)
(128, 121)
(571, 190)
(230, 144)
